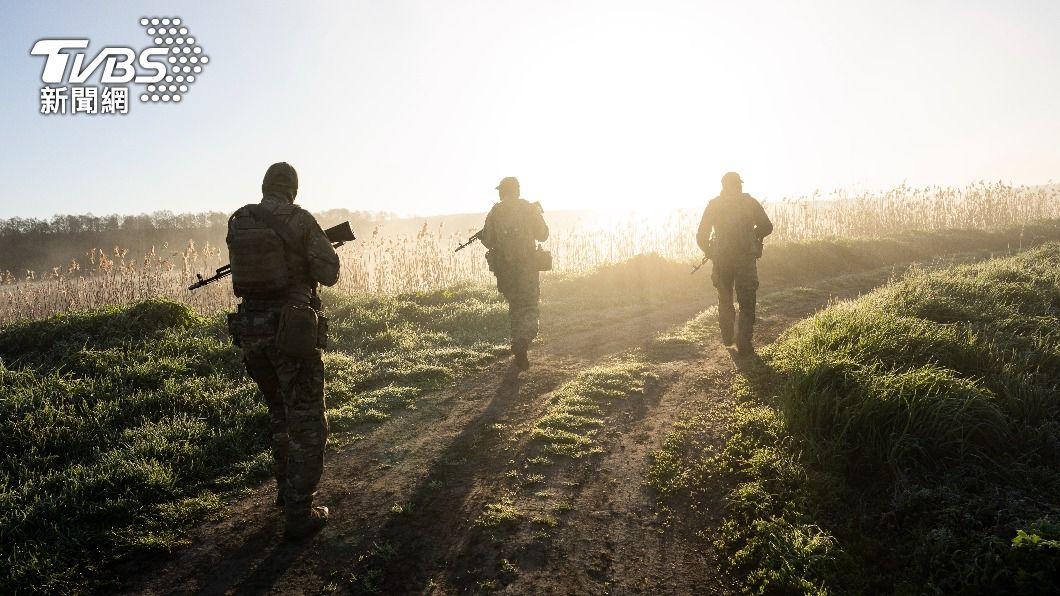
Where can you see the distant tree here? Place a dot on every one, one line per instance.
(41, 244)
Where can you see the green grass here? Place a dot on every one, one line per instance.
(122, 428)
(568, 430)
(908, 441)
(502, 513)
(574, 412)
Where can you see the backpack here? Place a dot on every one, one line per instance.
(515, 242)
(733, 228)
(257, 244)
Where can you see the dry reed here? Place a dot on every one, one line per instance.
(425, 260)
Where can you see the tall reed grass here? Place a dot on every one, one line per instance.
(389, 264)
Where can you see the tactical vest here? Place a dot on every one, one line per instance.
(258, 256)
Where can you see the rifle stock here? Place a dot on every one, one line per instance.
(340, 234)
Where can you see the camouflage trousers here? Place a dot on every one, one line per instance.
(739, 276)
(522, 290)
(294, 393)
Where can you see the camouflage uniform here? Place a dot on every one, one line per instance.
(293, 386)
(512, 229)
(739, 224)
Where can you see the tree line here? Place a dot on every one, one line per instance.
(40, 244)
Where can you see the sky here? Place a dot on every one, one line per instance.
(421, 107)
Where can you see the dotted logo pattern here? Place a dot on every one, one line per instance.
(185, 58)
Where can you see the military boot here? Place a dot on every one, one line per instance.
(726, 334)
(304, 523)
(726, 324)
(519, 348)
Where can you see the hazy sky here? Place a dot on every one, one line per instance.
(422, 107)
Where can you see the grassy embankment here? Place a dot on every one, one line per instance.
(123, 427)
(906, 442)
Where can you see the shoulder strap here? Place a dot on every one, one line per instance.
(262, 214)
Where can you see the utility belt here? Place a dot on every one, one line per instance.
(538, 260)
(751, 247)
(295, 321)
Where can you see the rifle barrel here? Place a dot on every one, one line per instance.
(476, 236)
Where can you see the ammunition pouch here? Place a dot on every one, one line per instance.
(322, 321)
(301, 330)
(251, 323)
(542, 260)
(235, 328)
(322, 331)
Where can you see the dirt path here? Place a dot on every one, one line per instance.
(608, 537)
(406, 497)
(396, 465)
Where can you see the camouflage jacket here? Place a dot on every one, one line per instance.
(733, 226)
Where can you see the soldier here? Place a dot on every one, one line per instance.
(739, 224)
(279, 254)
(510, 233)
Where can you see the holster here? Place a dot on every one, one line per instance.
(235, 328)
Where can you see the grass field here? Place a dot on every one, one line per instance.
(121, 428)
(904, 442)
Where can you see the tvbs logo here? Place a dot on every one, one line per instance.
(165, 69)
(119, 63)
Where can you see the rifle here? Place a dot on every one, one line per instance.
(700, 265)
(477, 236)
(338, 235)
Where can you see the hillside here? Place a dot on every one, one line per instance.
(903, 442)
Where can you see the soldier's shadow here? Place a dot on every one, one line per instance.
(746, 363)
(760, 375)
(404, 532)
(448, 483)
(272, 568)
(244, 572)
